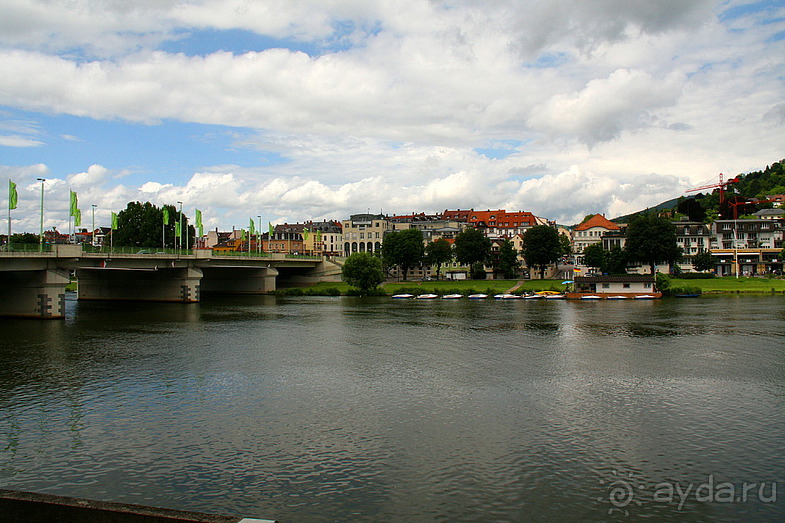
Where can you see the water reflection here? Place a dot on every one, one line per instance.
(308, 408)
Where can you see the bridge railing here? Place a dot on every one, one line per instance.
(26, 247)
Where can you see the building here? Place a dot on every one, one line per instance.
(364, 233)
(323, 238)
(693, 238)
(591, 231)
(500, 223)
(626, 285)
(748, 246)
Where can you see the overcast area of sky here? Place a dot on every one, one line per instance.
(294, 110)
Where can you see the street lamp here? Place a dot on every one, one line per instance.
(259, 235)
(94, 206)
(181, 226)
(41, 228)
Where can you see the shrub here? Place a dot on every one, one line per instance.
(696, 276)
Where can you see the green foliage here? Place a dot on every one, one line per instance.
(24, 237)
(652, 240)
(141, 225)
(663, 282)
(608, 262)
(697, 276)
(541, 247)
(437, 253)
(704, 261)
(566, 245)
(472, 247)
(683, 290)
(404, 249)
(507, 261)
(364, 271)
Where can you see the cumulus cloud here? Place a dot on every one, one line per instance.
(611, 104)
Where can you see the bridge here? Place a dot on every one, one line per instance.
(32, 284)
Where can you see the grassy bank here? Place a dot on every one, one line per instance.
(436, 287)
(730, 284)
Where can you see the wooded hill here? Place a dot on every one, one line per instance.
(748, 193)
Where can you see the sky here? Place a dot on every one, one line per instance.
(295, 110)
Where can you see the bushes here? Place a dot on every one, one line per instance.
(299, 291)
(696, 276)
(675, 291)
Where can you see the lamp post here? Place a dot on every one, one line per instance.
(259, 236)
(181, 226)
(93, 206)
(41, 227)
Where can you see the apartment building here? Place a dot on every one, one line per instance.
(364, 233)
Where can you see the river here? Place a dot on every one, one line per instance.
(340, 408)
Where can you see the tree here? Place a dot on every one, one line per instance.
(472, 247)
(508, 263)
(437, 253)
(25, 237)
(362, 270)
(541, 247)
(404, 248)
(566, 244)
(141, 225)
(704, 261)
(595, 256)
(652, 240)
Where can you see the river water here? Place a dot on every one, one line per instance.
(339, 408)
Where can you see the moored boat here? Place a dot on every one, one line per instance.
(452, 296)
(402, 296)
(427, 296)
(477, 296)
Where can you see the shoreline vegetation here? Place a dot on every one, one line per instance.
(708, 286)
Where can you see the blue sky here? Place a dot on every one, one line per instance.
(300, 110)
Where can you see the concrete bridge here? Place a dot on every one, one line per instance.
(32, 284)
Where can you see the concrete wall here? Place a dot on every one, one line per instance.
(179, 284)
(33, 294)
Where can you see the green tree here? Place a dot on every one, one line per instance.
(508, 263)
(541, 247)
(472, 247)
(595, 256)
(617, 261)
(652, 240)
(437, 253)
(704, 261)
(404, 249)
(141, 225)
(566, 244)
(24, 237)
(363, 270)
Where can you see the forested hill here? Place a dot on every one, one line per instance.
(756, 185)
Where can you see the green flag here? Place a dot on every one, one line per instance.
(74, 205)
(305, 234)
(177, 229)
(198, 219)
(319, 236)
(12, 196)
(251, 227)
(242, 235)
(272, 230)
(78, 218)
(166, 216)
(114, 221)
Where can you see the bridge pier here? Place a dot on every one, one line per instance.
(175, 284)
(33, 293)
(238, 280)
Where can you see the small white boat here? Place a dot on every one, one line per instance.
(533, 297)
(555, 297)
(616, 298)
(427, 296)
(506, 296)
(477, 296)
(452, 296)
(591, 297)
(645, 297)
(402, 296)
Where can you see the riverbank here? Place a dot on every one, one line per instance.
(724, 285)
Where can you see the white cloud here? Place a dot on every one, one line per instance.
(617, 103)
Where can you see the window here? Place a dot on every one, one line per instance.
(626, 285)
(606, 285)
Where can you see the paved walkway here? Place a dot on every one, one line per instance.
(514, 287)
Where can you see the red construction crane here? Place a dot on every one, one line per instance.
(721, 186)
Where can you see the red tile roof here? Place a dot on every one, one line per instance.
(598, 220)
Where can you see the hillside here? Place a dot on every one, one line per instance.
(756, 185)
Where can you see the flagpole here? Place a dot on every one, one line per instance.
(41, 228)
(8, 240)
